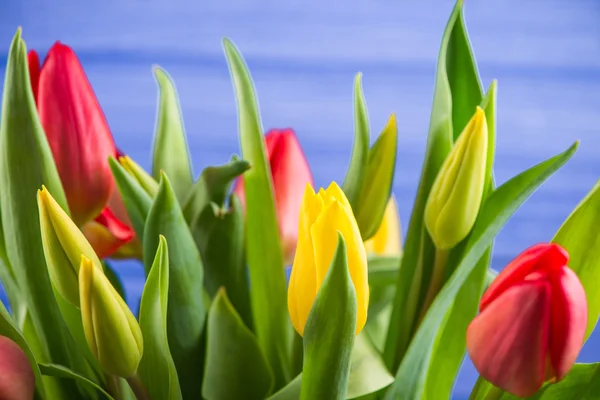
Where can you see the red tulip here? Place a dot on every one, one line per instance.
(532, 322)
(290, 173)
(17, 381)
(81, 143)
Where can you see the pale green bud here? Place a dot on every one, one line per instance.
(456, 194)
(146, 181)
(111, 330)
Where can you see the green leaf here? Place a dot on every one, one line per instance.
(219, 235)
(579, 235)
(368, 373)
(450, 349)
(236, 367)
(360, 151)
(212, 186)
(457, 92)
(268, 296)
(137, 201)
(26, 164)
(170, 152)
(157, 369)
(291, 391)
(497, 209)
(383, 274)
(60, 371)
(377, 184)
(186, 309)
(330, 332)
(9, 329)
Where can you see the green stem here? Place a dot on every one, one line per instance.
(113, 387)
(437, 278)
(140, 391)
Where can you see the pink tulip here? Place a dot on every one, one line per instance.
(81, 143)
(17, 381)
(532, 322)
(290, 173)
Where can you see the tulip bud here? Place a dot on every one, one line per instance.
(532, 322)
(17, 381)
(110, 328)
(107, 234)
(64, 244)
(322, 216)
(76, 129)
(387, 240)
(457, 191)
(290, 173)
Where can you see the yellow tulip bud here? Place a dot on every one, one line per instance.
(146, 181)
(387, 240)
(110, 328)
(456, 194)
(322, 216)
(64, 244)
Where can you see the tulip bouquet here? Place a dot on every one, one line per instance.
(223, 315)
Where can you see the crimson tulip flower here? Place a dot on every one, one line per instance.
(290, 173)
(17, 381)
(532, 322)
(81, 142)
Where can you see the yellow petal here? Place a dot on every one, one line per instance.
(324, 238)
(387, 240)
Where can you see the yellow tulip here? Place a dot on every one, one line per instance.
(322, 215)
(387, 239)
(112, 332)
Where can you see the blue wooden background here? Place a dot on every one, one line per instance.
(303, 56)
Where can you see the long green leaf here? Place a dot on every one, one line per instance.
(59, 371)
(157, 369)
(457, 92)
(170, 146)
(186, 309)
(264, 254)
(10, 330)
(377, 183)
(360, 151)
(330, 332)
(26, 164)
(580, 236)
(412, 374)
(236, 367)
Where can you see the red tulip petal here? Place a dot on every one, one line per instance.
(508, 341)
(568, 320)
(34, 71)
(107, 234)
(291, 173)
(16, 376)
(77, 132)
(543, 255)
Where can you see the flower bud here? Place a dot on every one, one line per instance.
(456, 194)
(64, 244)
(145, 180)
(387, 240)
(111, 330)
(322, 216)
(17, 381)
(532, 322)
(290, 173)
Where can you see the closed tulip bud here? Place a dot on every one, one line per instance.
(322, 216)
(290, 173)
(145, 180)
(387, 239)
(457, 191)
(64, 244)
(532, 322)
(111, 330)
(17, 381)
(76, 129)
